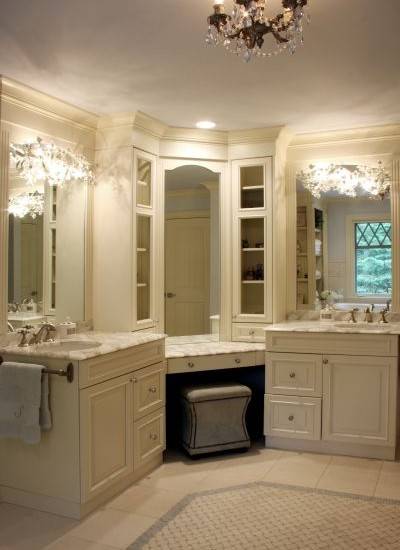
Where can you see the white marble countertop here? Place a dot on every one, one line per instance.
(339, 327)
(109, 343)
(200, 345)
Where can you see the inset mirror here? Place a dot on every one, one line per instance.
(343, 249)
(192, 252)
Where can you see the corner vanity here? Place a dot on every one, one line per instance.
(108, 422)
(332, 388)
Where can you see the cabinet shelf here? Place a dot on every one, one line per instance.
(302, 254)
(257, 281)
(143, 183)
(141, 250)
(141, 285)
(255, 249)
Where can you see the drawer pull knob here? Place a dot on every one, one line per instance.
(133, 380)
(153, 437)
(152, 389)
(291, 418)
(251, 332)
(292, 375)
(325, 361)
(190, 364)
(237, 360)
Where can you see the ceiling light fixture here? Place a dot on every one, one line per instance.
(205, 124)
(243, 31)
(349, 180)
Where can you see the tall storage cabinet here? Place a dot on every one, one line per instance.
(252, 247)
(144, 169)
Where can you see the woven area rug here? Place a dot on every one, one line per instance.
(270, 516)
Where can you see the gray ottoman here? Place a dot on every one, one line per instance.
(214, 417)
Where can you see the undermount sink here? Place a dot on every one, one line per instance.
(71, 345)
(382, 327)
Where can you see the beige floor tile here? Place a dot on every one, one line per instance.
(25, 529)
(112, 528)
(351, 475)
(298, 469)
(146, 501)
(388, 485)
(181, 477)
(74, 543)
(240, 470)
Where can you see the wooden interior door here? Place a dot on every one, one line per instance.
(187, 277)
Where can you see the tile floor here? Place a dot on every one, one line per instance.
(118, 523)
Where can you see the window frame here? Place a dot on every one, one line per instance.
(351, 221)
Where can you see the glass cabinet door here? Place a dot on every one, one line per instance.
(143, 181)
(143, 267)
(252, 187)
(252, 255)
(252, 266)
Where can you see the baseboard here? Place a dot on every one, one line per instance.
(75, 510)
(331, 447)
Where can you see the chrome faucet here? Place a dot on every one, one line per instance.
(383, 314)
(368, 316)
(43, 334)
(10, 327)
(24, 336)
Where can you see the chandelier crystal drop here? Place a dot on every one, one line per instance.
(349, 180)
(38, 162)
(27, 204)
(244, 30)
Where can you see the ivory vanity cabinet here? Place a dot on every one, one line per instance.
(108, 431)
(332, 392)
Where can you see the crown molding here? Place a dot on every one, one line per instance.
(19, 95)
(195, 135)
(388, 132)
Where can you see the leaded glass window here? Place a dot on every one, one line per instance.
(373, 258)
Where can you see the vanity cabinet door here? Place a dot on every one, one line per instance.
(106, 434)
(359, 399)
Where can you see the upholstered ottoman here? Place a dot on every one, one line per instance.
(214, 418)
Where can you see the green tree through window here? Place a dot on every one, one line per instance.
(373, 258)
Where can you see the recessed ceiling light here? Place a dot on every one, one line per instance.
(205, 124)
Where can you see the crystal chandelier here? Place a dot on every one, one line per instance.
(243, 31)
(27, 204)
(349, 180)
(37, 162)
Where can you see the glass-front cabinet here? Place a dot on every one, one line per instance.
(252, 241)
(50, 249)
(143, 227)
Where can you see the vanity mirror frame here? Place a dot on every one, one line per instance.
(221, 169)
(26, 114)
(392, 163)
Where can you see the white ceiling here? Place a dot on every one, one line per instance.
(123, 55)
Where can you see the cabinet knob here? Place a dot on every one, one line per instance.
(237, 360)
(153, 437)
(251, 332)
(190, 364)
(291, 418)
(152, 389)
(325, 361)
(292, 375)
(133, 380)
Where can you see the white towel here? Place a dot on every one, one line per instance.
(24, 401)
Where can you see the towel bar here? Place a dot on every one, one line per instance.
(68, 372)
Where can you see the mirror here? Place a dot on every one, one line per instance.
(192, 253)
(343, 251)
(46, 252)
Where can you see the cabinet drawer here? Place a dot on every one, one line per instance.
(105, 367)
(377, 345)
(248, 333)
(294, 417)
(148, 438)
(293, 374)
(148, 390)
(211, 362)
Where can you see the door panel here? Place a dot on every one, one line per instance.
(187, 263)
